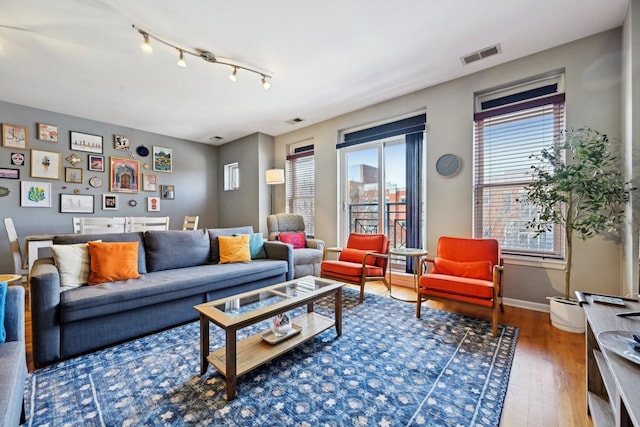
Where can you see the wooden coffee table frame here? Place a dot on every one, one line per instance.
(240, 357)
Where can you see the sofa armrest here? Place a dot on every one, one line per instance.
(280, 251)
(45, 311)
(14, 313)
(315, 244)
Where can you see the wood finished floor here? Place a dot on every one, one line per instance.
(547, 382)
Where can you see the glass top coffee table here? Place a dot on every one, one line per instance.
(239, 311)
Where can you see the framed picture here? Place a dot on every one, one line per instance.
(76, 203)
(73, 175)
(162, 159)
(149, 182)
(14, 136)
(86, 142)
(45, 164)
(153, 204)
(110, 202)
(120, 142)
(9, 173)
(167, 192)
(47, 132)
(96, 163)
(125, 175)
(17, 159)
(35, 194)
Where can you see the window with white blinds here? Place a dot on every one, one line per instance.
(505, 139)
(300, 186)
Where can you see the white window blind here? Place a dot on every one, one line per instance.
(300, 186)
(504, 140)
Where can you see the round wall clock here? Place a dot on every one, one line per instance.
(133, 203)
(95, 182)
(448, 165)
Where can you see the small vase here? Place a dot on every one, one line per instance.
(281, 325)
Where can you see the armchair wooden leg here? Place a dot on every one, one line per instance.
(361, 293)
(495, 321)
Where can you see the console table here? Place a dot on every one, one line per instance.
(613, 382)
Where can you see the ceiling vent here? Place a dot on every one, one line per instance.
(295, 121)
(481, 54)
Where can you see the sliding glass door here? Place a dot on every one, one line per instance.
(374, 189)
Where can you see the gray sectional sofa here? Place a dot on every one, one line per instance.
(13, 365)
(179, 269)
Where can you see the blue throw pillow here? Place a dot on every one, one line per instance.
(256, 246)
(3, 297)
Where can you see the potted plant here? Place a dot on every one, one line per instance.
(578, 186)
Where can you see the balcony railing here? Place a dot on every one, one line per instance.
(363, 218)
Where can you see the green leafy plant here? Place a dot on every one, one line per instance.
(577, 185)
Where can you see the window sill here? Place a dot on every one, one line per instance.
(551, 264)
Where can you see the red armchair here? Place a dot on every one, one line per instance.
(363, 260)
(467, 270)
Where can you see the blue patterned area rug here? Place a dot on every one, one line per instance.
(387, 369)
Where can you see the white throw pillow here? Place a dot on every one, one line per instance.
(74, 264)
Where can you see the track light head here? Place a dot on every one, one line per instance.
(232, 76)
(146, 46)
(265, 83)
(181, 62)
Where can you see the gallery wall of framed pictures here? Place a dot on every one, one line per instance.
(39, 156)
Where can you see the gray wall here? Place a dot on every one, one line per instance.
(194, 176)
(249, 204)
(593, 98)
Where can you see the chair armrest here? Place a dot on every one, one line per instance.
(330, 250)
(422, 265)
(373, 254)
(315, 244)
(280, 251)
(14, 313)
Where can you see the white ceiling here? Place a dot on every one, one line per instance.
(330, 57)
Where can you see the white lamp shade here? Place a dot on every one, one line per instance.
(274, 176)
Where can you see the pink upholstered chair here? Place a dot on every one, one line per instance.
(466, 270)
(363, 260)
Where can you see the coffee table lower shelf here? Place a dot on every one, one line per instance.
(253, 351)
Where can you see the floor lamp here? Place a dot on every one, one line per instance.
(274, 177)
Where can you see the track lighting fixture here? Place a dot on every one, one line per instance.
(265, 83)
(146, 46)
(203, 54)
(181, 62)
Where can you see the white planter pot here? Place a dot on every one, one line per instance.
(567, 315)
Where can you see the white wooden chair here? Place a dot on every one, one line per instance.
(190, 223)
(76, 225)
(19, 264)
(143, 223)
(91, 225)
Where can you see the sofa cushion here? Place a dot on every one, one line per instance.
(256, 246)
(169, 249)
(298, 240)
(356, 255)
(473, 270)
(113, 261)
(73, 263)
(107, 237)
(162, 286)
(234, 248)
(215, 232)
(3, 297)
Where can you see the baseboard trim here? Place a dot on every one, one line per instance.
(535, 306)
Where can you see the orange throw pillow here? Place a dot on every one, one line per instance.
(356, 255)
(234, 249)
(472, 270)
(112, 261)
